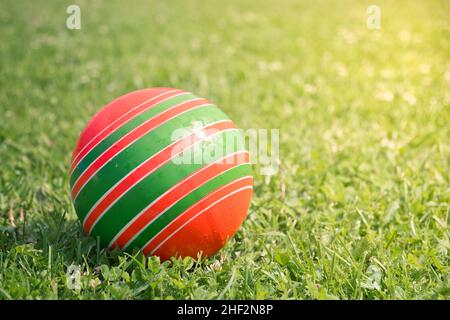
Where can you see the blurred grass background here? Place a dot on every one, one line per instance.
(359, 208)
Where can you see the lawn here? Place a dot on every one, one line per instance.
(359, 206)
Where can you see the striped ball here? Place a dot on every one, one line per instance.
(164, 171)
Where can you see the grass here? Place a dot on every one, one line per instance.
(359, 208)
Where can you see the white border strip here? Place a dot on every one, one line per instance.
(187, 222)
(160, 124)
(173, 204)
(112, 123)
(143, 177)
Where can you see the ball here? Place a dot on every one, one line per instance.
(164, 171)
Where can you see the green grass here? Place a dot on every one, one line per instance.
(359, 208)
